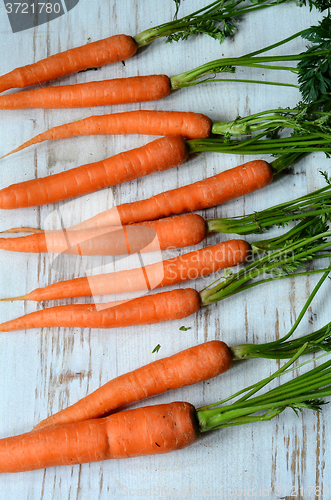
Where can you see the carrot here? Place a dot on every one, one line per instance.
(104, 93)
(191, 366)
(163, 234)
(169, 272)
(142, 431)
(158, 155)
(110, 50)
(212, 191)
(148, 122)
(150, 309)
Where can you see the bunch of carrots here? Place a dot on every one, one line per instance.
(165, 221)
(95, 428)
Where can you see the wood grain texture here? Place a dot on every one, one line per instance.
(43, 371)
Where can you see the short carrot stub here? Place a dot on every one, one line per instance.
(207, 193)
(143, 431)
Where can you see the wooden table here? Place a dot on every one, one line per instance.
(42, 371)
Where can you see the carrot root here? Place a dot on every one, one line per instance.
(85, 95)
(179, 269)
(143, 431)
(147, 310)
(186, 124)
(161, 154)
(191, 366)
(110, 50)
(163, 234)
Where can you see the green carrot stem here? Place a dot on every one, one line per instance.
(303, 392)
(216, 19)
(291, 254)
(282, 348)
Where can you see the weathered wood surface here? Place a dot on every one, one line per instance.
(43, 371)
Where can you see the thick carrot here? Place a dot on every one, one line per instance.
(147, 310)
(179, 269)
(163, 234)
(191, 366)
(142, 431)
(85, 95)
(225, 186)
(158, 155)
(110, 50)
(148, 122)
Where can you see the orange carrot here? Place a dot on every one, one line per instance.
(103, 93)
(187, 124)
(110, 50)
(147, 310)
(191, 366)
(163, 234)
(158, 155)
(225, 186)
(114, 48)
(142, 431)
(183, 268)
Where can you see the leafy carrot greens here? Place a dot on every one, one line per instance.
(313, 66)
(218, 19)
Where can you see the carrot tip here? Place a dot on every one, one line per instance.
(11, 299)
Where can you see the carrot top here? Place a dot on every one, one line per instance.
(313, 67)
(281, 257)
(218, 19)
(303, 392)
(312, 204)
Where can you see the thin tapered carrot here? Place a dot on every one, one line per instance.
(150, 309)
(191, 366)
(103, 93)
(149, 122)
(110, 50)
(169, 272)
(143, 431)
(209, 192)
(158, 155)
(163, 234)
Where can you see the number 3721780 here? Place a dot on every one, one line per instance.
(32, 8)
